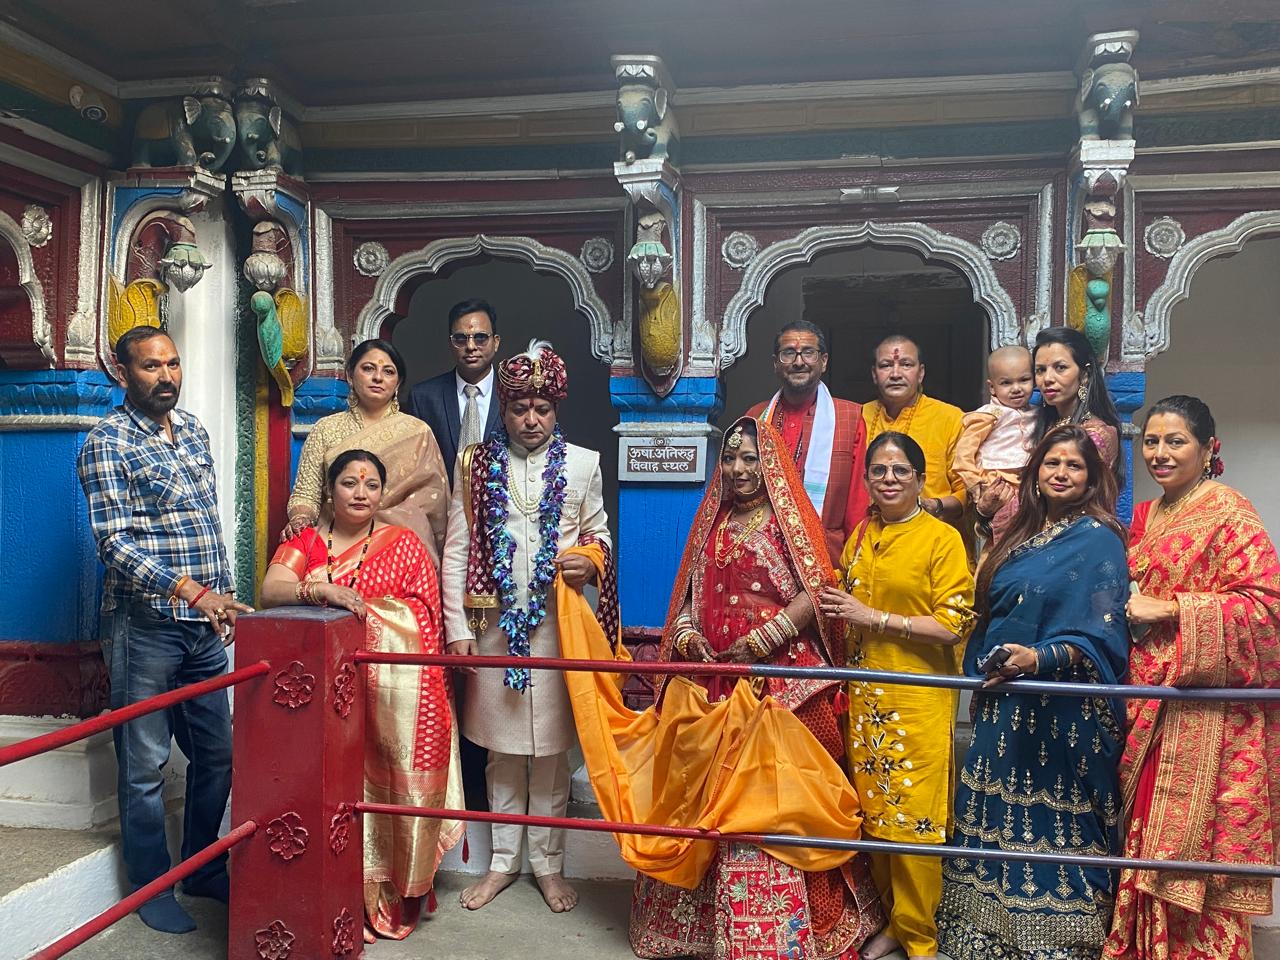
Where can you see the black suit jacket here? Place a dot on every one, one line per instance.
(435, 401)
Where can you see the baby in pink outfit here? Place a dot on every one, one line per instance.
(997, 438)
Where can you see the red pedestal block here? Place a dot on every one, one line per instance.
(298, 768)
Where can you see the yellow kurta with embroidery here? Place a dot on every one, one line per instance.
(936, 426)
(900, 739)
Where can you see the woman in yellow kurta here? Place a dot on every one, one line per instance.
(908, 599)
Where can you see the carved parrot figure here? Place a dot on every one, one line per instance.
(271, 343)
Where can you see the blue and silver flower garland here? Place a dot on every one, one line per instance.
(516, 622)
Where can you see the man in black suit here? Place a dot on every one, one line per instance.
(463, 397)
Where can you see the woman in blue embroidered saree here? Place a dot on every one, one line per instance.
(1041, 771)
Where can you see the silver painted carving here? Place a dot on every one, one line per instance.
(41, 329)
(1163, 237)
(813, 241)
(1182, 268)
(1001, 241)
(37, 225)
(435, 255)
(371, 258)
(739, 249)
(82, 332)
(597, 254)
(329, 352)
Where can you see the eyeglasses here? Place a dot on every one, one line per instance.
(808, 354)
(901, 471)
(461, 339)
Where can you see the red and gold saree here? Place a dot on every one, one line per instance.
(1201, 780)
(411, 740)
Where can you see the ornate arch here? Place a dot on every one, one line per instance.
(41, 329)
(435, 255)
(920, 237)
(1150, 329)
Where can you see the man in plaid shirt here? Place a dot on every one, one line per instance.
(168, 608)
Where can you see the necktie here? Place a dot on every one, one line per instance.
(470, 418)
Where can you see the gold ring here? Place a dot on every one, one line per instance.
(220, 614)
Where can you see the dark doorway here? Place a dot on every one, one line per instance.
(859, 297)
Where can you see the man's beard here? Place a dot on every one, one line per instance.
(156, 403)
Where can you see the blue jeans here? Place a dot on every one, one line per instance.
(147, 654)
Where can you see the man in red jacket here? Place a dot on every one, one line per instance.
(826, 436)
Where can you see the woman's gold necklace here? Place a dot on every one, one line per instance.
(725, 554)
(1169, 509)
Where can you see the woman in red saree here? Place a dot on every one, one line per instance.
(1201, 781)
(384, 575)
(747, 591)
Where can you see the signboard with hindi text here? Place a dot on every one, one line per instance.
(662, 459)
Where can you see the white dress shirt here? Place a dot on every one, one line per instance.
(482, 398)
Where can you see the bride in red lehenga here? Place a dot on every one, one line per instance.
(747, 591)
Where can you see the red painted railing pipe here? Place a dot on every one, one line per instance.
(1058, 688)
(80, 934)
(895, 847)
(113, 718)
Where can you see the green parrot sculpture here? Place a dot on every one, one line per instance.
(271, 343)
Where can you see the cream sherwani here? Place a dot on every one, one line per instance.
(528, 734)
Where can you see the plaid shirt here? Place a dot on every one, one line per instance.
(153, 508)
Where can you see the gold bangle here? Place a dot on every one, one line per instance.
(906, 628)
(759, 646)
(884, 622)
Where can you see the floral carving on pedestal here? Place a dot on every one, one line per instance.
(597, 254)
(37, 225)
(344, 690)
(739, 249)
(275, 941)
(1001, 241)
(294, 686)
(287, 837)
(344, 933)
(1164, 237)
(371, 258)
(340, 828)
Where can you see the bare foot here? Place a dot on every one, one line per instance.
(881, 945)
(560, 897)
(492, 884)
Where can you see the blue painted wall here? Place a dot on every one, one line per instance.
(48, 561)
(317, 397)
(654, 518)
(1128, 391)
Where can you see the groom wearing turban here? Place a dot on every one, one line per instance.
(520, 500)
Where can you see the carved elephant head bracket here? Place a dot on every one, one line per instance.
(648, 149)
(218, 128)
(1104, 107)
(198, 129)
(266, 138)
(646, 123)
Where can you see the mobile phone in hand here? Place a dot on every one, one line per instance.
(994, 659)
